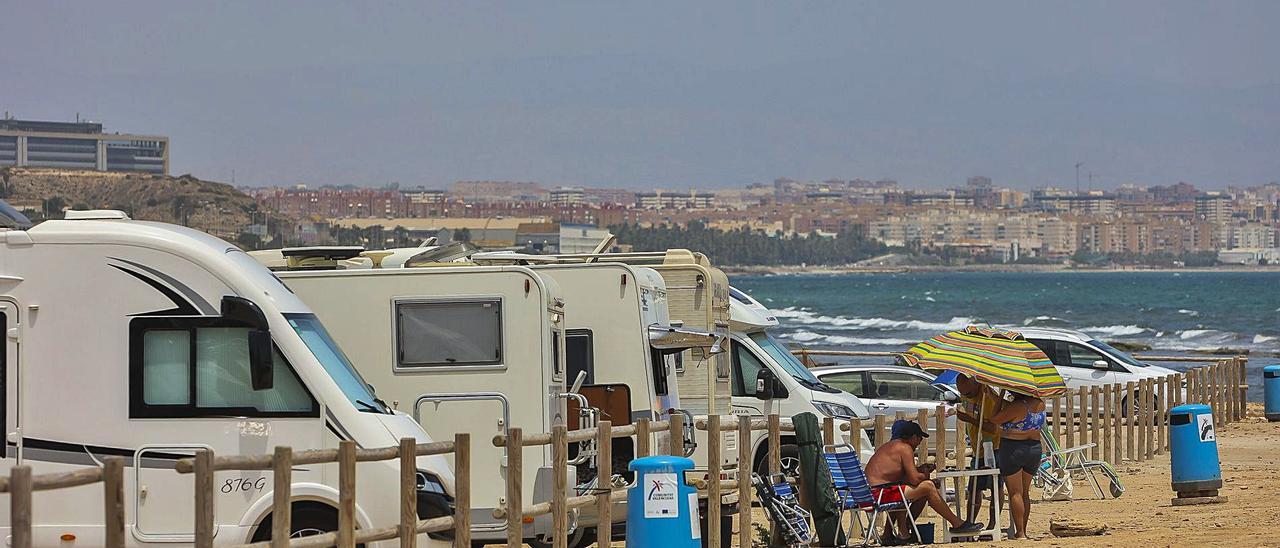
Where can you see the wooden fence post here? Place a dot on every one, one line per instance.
(1095, 422)
(960, 445)
(20, 506)
(828, 431)
(1056, 427)
(1071, 418)
(1215, 397)
(675, 441)
(204, 498)
(922, 418)
(1129, 405)
(604, 482)
(1162, 408)
(560, 482)
(745, 465)
(1143, 416)
(1108, 415)
(643, 438)
(113, 501)
(515, 491)
(1151, 419)
(462, 489)
(1242, 380)
(346, 494)
(281, 510)
(714, 463)
(882, 434)
(775, 444)
(855, 434)
(1117, 415)
(940, 436)
(409, 493)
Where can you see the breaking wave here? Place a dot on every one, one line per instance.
(811, 337)
(801, 316)
(1115, 330)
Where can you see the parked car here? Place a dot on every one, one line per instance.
(887, 389)
(1084, 361)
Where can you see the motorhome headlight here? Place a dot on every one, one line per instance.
(433, 501)
(834, 410)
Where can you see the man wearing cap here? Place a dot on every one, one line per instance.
(894, 463)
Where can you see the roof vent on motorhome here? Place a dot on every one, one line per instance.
(94, 214)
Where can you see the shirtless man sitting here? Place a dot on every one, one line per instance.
(895, 462)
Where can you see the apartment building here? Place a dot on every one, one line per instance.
(80, 145)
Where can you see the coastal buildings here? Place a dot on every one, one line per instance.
(80, 145)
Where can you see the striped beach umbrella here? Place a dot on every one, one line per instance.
(994, 357)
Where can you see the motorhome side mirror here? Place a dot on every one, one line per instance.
(1101, 364)
(260, 359)
(244, 311)
(949, 396)
(764, 384)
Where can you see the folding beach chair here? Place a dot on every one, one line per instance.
(1058, 466)
(854, 495)
(780, 503)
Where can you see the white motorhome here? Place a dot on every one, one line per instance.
(150, 341)
(473, 349)
(768, 379)
(697, 298)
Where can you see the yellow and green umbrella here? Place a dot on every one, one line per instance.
(994, 357)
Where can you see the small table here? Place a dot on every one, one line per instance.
(962, 506)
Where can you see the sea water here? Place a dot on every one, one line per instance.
(1173, 312)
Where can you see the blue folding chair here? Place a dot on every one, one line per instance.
(783, 508)
(853, 494)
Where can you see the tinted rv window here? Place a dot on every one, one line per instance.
(445, 333)
(199, 367)
(580, 356)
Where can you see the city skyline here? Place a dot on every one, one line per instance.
(708, 97)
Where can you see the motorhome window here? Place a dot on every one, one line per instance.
(335, 363)
(745, 367)
(579, 355)
(449, 333)
(223, 378)
(784, 357)
(199, 367)
(166, 367)
(660, 366)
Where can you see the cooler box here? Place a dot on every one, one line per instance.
(662, 511)
(1193, 449)
(1271, 391)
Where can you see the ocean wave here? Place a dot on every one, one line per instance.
(801, 316)
(1198, 333)
(1262, 339)
(1045, 321)
(1115, 330)
(1189, 312)
(811, 337)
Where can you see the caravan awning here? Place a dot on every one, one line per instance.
(674, 339)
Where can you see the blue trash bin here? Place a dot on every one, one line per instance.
(1271, 391)
(1193, 451)
(662, 510)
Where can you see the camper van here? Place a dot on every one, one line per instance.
(462, 349)
(768, 379)
(697, 298)
(151, 341)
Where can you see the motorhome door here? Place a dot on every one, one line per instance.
(9, 380)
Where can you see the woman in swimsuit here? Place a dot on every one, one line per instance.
(1019, 423)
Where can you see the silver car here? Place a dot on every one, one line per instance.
(887, 389)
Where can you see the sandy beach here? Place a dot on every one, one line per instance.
(1144, 516)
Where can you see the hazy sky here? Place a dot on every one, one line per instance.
(646, 94)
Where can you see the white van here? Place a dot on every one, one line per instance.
(768, 379)
(150, 341)
(473, 349)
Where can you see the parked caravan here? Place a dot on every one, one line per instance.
(768, 379)
(463, 349)
(697, 298)
(151, 341)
